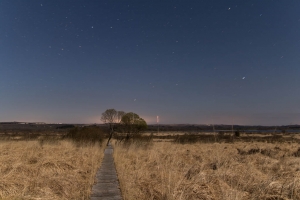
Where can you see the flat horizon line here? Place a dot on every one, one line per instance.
(152, 124)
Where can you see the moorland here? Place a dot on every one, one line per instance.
(42, 161)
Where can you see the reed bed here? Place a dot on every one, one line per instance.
(48, 170)
(212, 171)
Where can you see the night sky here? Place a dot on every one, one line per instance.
(197, 62)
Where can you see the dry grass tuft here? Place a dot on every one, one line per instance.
(41, 170)
(216, 171)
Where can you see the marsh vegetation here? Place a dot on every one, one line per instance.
(48, 167)
(232, 169)
(164, 166)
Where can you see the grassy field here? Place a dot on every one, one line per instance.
(39, 169)
(219, 171)
(161, 167)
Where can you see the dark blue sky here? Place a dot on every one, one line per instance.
(230, 62)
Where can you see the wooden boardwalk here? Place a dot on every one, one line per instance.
(107, 184)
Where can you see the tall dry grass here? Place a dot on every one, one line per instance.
(218, 171)
(43, 170)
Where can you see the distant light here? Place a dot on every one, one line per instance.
(244, 77)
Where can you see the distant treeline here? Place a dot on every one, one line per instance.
(22, 123)
(199, 128)
(151, 128)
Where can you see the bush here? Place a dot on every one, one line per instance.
(87, 135)
(65, 127)
(186, 138)
(136, 139)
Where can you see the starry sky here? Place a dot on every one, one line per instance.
(186, 61)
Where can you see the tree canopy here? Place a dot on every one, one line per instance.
(133, 123)
(111, 117)
(129, 123)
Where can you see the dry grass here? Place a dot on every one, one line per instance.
(43, 170)
(216, 171)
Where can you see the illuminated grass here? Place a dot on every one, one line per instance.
(56, 170)
(209, 171)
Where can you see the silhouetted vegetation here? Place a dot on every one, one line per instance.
(132, 124)
(237, 134)
(129, 123)
(87, 135)
(189, 138)
(211, 128)
(69, 126)
(186, 138)
(121, 137)
(193, 138)
(112, 118)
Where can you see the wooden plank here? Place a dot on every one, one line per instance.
(107, 185)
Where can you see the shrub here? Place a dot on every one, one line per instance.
(237, 134)
(86, 135)
(221, 133)
(65, 127)
(186, 138)
(138, 140)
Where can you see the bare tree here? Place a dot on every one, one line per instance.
(111, 117)
(120, 115)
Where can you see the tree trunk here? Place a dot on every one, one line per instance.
(110, 134)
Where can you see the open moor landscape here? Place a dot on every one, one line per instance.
(62, 163)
